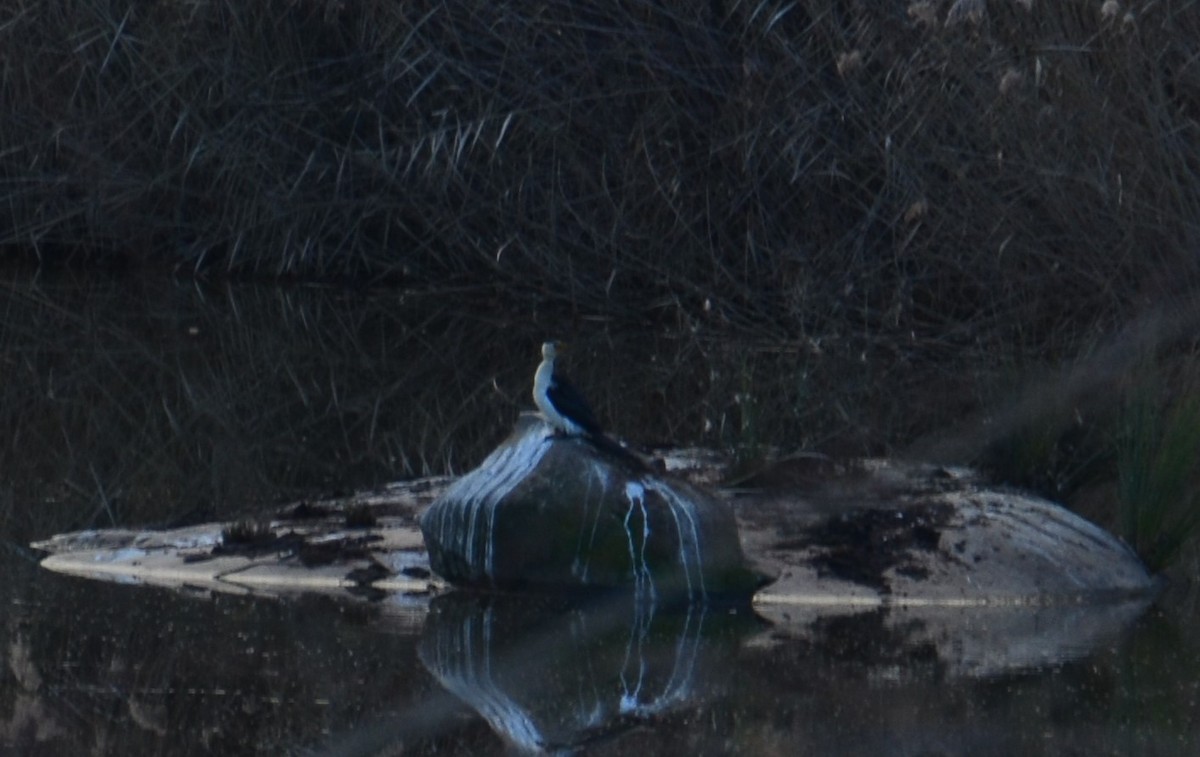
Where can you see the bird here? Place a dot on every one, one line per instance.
(560, 402)
(565, 409)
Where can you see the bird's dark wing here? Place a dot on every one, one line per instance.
(571, 403)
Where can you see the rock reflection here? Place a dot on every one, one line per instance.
(956, 642)
(548, 674)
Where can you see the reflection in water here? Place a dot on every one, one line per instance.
(137, 402)
(88, 667)
(101, 668)
(547, 674)
(962, 642)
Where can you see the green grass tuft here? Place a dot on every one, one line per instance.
(1158, 458)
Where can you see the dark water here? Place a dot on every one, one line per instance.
(127, 403)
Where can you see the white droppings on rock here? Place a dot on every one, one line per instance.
(643, 579)
(634, 491)
(690, 558)
(580, 518)
(482, 490)
(597, 475)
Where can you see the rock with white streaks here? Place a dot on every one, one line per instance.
(556, 513)
(874, 533)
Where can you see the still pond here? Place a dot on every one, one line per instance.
(154, 403)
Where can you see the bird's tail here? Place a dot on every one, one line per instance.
(615, 449)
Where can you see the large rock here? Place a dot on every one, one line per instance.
(873, 533)
(549, 512)
(839, 536)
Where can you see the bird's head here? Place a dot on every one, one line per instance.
(551, 349)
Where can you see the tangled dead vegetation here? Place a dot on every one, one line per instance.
(971, 170)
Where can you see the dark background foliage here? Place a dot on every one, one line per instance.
(965, 171)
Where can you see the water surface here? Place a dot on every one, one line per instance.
(150, 402)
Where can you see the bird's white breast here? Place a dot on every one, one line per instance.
(542, 380)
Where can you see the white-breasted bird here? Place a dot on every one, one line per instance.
(561, 404)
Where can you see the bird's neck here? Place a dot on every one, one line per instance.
(545, 373)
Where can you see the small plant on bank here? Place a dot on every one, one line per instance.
(1158, 462)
